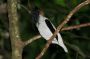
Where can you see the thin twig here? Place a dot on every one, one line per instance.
(75, 26)
(26, 8)
(60, 26)
(32, 39)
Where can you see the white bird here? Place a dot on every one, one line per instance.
(46, 30)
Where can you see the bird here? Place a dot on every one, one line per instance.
(46, 28)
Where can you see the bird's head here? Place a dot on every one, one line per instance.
(35, 14)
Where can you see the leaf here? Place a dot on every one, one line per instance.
(60, 2)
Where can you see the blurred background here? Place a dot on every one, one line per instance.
(76, 40)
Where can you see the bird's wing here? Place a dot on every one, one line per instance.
(58, 37)
(51, 27)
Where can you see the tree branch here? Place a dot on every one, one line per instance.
(32, 39)
(16, 42)
(75, 26)
(60, 26)
(13, 19)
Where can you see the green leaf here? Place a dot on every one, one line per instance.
(77, 22)
(38, 2)
(74, 2)
(60, 2)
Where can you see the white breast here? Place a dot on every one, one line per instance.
(43, 29)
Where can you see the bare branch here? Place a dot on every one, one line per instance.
(32, 39)
(16, 42)
(13, 20)
(75, 26)
(26, 8)
(60, 26)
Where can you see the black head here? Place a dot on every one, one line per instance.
(35, 15)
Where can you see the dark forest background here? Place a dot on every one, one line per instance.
(78, 40)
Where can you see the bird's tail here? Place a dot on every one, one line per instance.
(60, 42)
